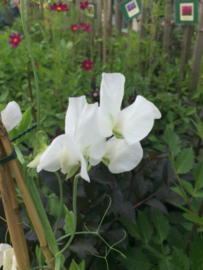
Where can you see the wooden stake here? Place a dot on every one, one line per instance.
(118, 17)
(109, 19)
(167, 27)
(12, 214)
(26, 196)
(185, 52)
(198, 52)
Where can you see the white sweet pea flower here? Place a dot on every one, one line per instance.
(82, 123)
(121, 157)
(11, 115)
(134, 122)
(9, 260)
(63, 153)
(81, 142)
(3, 248)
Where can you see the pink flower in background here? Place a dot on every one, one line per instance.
(172, 21)
(85, 26)
(59, 7)
(74, 27)
(186, 10)
(87, 65)
(83, 5)
(15, 39)
(36, 64)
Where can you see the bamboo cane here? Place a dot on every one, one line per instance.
(26, 196)
(12, 216)
(22, 245)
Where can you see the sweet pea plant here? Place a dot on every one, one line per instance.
(94, 134)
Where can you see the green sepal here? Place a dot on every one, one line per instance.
(72, 172)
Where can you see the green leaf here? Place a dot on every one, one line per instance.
(172, 140)
(193, 218)
(1, 108)
(144, 226)
(161, 224)
(180, 260)
(165, 264)
(180, 192)
(198, 174)
(82, 265)
(54, 203)
(74, 266)
(69, 221)
(40, 257)
(136, 260)
(188, 186)
(199, 194)
(19, 154)
(196, 254)
(184, 161)
(4, 95)
(132, 228)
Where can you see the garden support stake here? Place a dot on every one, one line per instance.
(11, 210)
(26, 196)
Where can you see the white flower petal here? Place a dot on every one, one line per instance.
(88, 136)
(3, 247)
(65, 154)
(122, 157)
(11, 115)
(14, 263)
(8, 259)
(111, 95)
(76, 105)
(50, 159)
(136, 121)
(157, 114)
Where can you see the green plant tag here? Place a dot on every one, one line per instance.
(131, 9)
(186, 11)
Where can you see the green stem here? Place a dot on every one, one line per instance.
(32, 60)
(61, 201)
(75, 184)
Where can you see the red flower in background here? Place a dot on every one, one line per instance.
(83, 5)
(59, 7)
(74, 27)
(186, 10)
(87, 65)
(85, 26)
(15, 39)
(36, 64)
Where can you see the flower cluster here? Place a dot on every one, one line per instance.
(87, 126)
(85, 26)
(84, 5)
(59, 7)
(7, 257)
(186, 10)
(15, 39)
(87, 65)
(74, 27)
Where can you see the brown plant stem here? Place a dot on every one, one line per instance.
(11, 210)
(194, 229)
(26, 196)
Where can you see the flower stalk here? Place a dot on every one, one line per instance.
(75, 184)
(27, 36)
